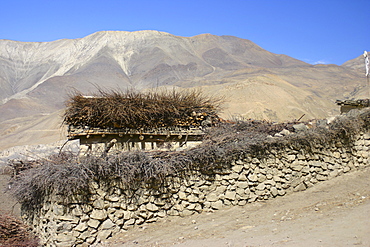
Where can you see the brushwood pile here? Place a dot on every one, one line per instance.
(136, 110)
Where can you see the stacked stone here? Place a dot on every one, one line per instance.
(113, 209)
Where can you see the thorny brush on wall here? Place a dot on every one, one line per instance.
(70, 175)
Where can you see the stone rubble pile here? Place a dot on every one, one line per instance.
(112, 209)
(33, 152)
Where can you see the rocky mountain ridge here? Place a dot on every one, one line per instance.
(27, 65)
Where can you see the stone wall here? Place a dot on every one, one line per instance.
(112, 208)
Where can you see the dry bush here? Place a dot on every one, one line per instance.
(68, 174)
(130, 109)
(16, 166)
(13, 233)
(351, 124)
(32, 186)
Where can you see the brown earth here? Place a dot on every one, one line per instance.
(332, 213)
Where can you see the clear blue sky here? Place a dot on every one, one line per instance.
(315, 31)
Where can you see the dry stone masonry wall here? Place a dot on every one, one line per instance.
(112, 208)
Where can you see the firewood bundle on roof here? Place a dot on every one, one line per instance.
(353, 102)
(141, 110)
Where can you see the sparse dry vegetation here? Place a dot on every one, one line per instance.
(13, 233)
(69, 174)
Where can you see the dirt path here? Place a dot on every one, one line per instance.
(333, 213)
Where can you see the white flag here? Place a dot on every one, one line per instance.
(366, 63)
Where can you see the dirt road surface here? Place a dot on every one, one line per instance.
(332, 213)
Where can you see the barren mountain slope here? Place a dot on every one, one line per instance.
(146, 57)
(36, 129)
(357, 63)
(36, 78)
(268, 97)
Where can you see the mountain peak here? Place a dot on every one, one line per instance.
(120, 34)
(146, 58)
